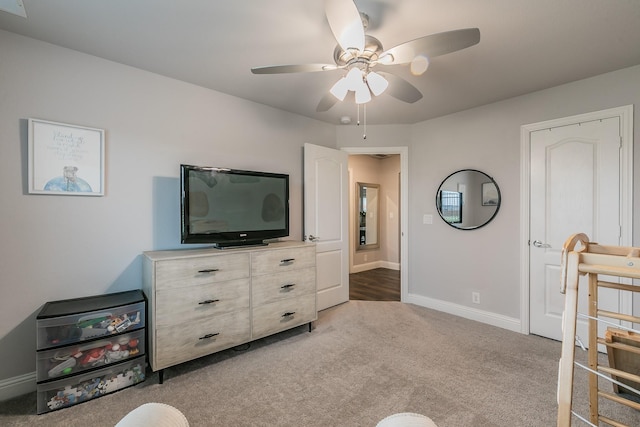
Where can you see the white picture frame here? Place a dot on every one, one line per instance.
(65, 159)
(490, 195)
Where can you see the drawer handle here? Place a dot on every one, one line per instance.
(209, 301)
(289, 313)
(287, 261)
(206, 337)
(209, 270)
(288, 286)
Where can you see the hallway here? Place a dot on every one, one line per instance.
(379, 284)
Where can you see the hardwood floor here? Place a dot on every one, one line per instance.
(379, 284)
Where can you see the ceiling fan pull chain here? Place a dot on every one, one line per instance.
(364, 133)
(358, 108)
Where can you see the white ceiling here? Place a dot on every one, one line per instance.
(526, 45)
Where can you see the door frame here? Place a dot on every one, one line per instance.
(625, 114)
(404, 206)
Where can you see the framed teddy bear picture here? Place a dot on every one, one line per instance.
(65, 159)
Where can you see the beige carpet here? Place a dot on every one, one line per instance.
(362, 362)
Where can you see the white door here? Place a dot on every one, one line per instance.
(326, 220)
(575, 188)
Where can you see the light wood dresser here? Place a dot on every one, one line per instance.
(201, 301)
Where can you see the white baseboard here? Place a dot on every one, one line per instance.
(17, 386)
(390, 265)
(359, 268)
(482, 316)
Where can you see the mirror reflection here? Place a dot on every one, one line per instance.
(468, 199)
(368, 224)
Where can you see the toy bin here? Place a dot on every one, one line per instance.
(80, 388)
(67, 322)
(77, 358)
(88, 347)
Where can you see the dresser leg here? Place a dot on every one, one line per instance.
(310, 326)
(161, 376)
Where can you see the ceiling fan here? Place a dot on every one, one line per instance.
(358, 53)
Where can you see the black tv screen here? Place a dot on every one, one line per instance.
(230, 207)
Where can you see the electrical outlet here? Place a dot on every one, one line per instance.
(475, 297)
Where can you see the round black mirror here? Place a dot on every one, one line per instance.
(468, 199)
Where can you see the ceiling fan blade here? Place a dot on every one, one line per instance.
(346, 23)
(431, 46)
(302, 68)
(327, 101)
(401, 89)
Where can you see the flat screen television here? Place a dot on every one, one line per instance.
(231, 207)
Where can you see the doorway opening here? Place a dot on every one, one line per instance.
(377, 221)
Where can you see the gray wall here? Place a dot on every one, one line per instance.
(446, 265)
(58, 247)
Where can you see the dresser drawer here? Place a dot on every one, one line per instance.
(180, 305)
(186, 341)
(58, 394)
(289, 284)
(74, 359)
(281, 315)
(179, 273)
(74, 328)
(279, 260)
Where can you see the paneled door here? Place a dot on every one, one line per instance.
(575, 187)
(326, 220)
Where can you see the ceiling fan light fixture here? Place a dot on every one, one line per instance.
(377, 83)
(340, 89)
(363, 95)
(354, 78)
(357, 53)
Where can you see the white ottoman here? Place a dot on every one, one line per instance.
(406, 419)
(154, 414)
